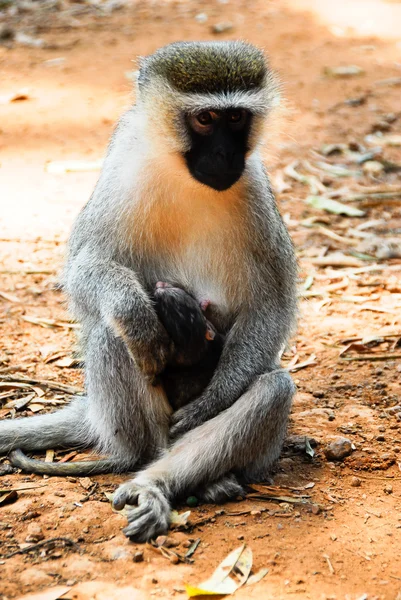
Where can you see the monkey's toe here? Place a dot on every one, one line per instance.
(127, 493)
(151, 517)
(218, 492)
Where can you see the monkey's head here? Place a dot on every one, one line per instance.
(207, 102)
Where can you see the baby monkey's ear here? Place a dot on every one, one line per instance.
(205, 305)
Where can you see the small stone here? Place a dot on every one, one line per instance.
(388, 488)
(171, 542)
(174, 559)
(355, 482)
(85, 530)
(31, 514)
(160, 540)
(222, 27)
(315, 509)
(338, 449)
(35, 533)
(256, 513)
(240, 537)
(138, 556)
(71, 582)
(333, 537)
(318, 394)
(154, 580)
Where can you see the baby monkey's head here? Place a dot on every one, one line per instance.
(184, 320)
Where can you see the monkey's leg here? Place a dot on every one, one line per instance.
(66, 427)
(125, 417)
(129, 418)
(252, 427)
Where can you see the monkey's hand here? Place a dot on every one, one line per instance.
(188, 417)
(151, 347)
(148, 510)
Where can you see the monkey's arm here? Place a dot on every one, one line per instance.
(252, 347)
(101, 287)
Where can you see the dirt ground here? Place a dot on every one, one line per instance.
(336, 532)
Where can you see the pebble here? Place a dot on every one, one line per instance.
(174, 559)
(338, 449)
(31, 514)
(356, 482)
(222, 27)
(315, 509)
(388, 488)
(138, 556)
(35, 533)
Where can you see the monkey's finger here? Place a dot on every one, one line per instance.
(149, 520)
(126, 494)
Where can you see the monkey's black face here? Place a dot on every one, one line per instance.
(219, 142)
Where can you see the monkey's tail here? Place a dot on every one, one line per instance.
(63, 428)
(79, 468)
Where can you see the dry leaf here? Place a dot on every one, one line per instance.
(230, 575)
(48, 323)
(9, 297)
(70, 166)
(35, 407)
(49, 456)
(346, 71)
(52, 593)
(68, 362)
(333, 206)
(257, 576)
(8, 496)
(177, 519)
(20, 402)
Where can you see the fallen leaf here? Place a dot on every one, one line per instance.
(9, 297)
(230, 575)
(8, 497)
(177, 519)
(257, 576)
(345, 71)
(50, 322)
(52, 593)
(70, 166)
(333, 206)
(20, 402)
(68, 362)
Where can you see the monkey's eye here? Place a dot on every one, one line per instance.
(205, 118)
(235, 116)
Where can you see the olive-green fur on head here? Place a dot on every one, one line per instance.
(207, 67)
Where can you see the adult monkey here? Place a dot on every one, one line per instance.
(183, 197)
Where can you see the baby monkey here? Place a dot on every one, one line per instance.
(197, 350)
(197, 344)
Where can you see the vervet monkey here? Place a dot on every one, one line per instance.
(183, 197)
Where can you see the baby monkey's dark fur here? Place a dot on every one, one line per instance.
(197, 349)
(197, 344)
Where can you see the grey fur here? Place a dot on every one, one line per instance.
(238, 423)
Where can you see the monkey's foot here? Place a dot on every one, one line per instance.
(151, 515)
(218, 492)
